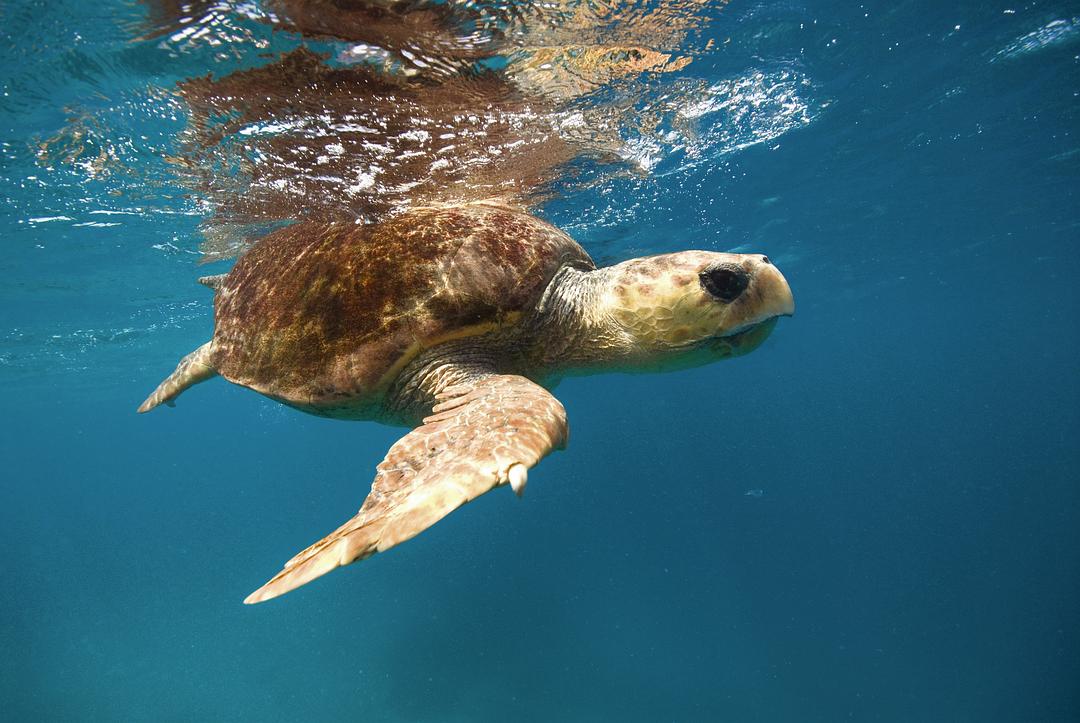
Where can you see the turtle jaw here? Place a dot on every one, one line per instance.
(744, 340)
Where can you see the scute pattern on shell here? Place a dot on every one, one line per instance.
(317, 314)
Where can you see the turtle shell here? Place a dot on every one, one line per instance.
(324, 316)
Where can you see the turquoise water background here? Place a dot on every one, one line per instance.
(872, 517)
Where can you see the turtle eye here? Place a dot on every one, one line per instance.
(725, 282)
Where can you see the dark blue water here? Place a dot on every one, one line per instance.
(872, 517)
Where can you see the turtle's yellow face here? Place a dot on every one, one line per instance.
(723, 304)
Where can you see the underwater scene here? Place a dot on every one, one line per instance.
(772, 305)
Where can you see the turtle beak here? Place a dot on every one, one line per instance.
(773, 290)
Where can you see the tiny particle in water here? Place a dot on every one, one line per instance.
(754, 493)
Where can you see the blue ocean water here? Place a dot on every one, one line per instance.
(872, 517)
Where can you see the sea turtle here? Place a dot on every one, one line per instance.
(453, 320)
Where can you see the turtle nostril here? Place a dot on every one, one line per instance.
(765, 260)
(725, 282)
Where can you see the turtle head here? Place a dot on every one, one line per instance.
(693, 307)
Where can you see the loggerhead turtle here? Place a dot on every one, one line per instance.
(449, 320)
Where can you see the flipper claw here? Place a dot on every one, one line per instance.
(519, 477)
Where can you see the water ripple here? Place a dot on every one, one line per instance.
(1054, 33)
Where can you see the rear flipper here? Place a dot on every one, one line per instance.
(192, 369)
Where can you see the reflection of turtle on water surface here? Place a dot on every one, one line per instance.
(453, 317)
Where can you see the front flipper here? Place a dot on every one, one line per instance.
(482, 434)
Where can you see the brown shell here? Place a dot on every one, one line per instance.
(316, 315)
